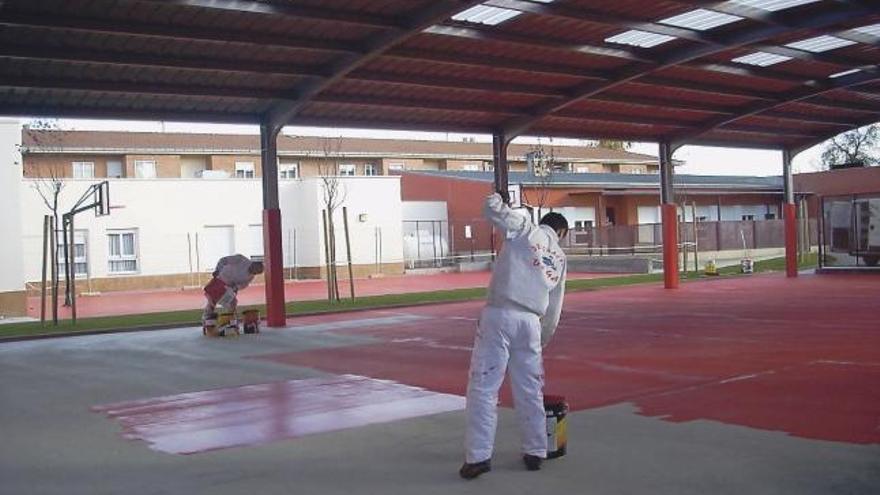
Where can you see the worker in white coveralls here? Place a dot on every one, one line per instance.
(236, 272)
(521, 314)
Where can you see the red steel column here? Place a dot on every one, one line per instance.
(272, 239)
(790, 214)
(669, 217)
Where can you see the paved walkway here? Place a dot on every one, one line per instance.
(137, 302)
(753, 385)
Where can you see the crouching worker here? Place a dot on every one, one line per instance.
(521, 314)
(233, 273)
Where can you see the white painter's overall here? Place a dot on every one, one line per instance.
(524, 304)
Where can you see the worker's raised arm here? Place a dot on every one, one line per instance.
(514, 224)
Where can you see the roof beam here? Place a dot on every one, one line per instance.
(455, 83)
(191, 33)
(809, 143)
(438, 11)
(99, 86)
(517, 126)
(64, 54)
(495, 62)
(794, 96)
(276, 8)
(127, 114)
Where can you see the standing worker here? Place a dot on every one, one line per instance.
(521, 314)
(233, 273)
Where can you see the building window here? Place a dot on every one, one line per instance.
(582, 169)
(123, 251)
(80, 259)
(244, 170)
(583, 224)
(288, 170)
(83, 170)
(114, 169)
(145, 169)
(347, 169)
(395, 167)
(370, 170)
(471, 167)
(748, 217)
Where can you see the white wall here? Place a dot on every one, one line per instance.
(174, 219)
(11, 269)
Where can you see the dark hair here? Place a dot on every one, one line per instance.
(256, 267)
(555, 221)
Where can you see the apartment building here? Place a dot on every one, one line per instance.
(144, 155)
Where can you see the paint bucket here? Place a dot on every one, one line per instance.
(747, 265)
(555, 408)
(226, 322)
(209, 325)
(251, 321)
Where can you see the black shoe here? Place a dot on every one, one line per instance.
(533, 462)
(471, 471)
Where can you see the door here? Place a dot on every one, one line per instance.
(217, 241)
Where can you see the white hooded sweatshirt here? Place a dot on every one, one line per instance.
(234, 271)
(529, 274)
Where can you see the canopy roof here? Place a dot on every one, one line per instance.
(755, 73)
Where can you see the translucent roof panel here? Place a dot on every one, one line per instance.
(873, 30)
(772, 5)
(820, 44)
(700, 19)
(484, 14)
(761, 59)
(641, 39)
(844, 73)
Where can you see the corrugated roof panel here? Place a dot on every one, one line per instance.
(700, 19)
(492, 49)
(870, 29)
(713, 75)
(368, 89)
(819, 44)
(641, 39)
(423, 69)
(638, 9)
(617, 110)
(693, 95)
(485, 14)
(772, 5)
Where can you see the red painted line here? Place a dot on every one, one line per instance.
(257, 414)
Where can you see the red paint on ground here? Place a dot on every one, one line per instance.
(137, 302)
(795, 355)
(257, 414)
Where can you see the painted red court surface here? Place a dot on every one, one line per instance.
(136, 302)
(800, 356)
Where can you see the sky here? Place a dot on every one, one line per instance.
(698, 160)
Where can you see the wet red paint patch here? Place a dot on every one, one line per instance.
(754, 351)
(257, 414)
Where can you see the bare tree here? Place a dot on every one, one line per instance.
(48, 181)
(543, 165)
(612, 144)
(333, 196)
(854, 148)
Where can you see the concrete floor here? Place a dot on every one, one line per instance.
(667, 412)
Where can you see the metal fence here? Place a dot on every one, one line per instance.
(850, 231)
(438, 243)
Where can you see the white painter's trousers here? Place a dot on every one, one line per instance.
(506, 338)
